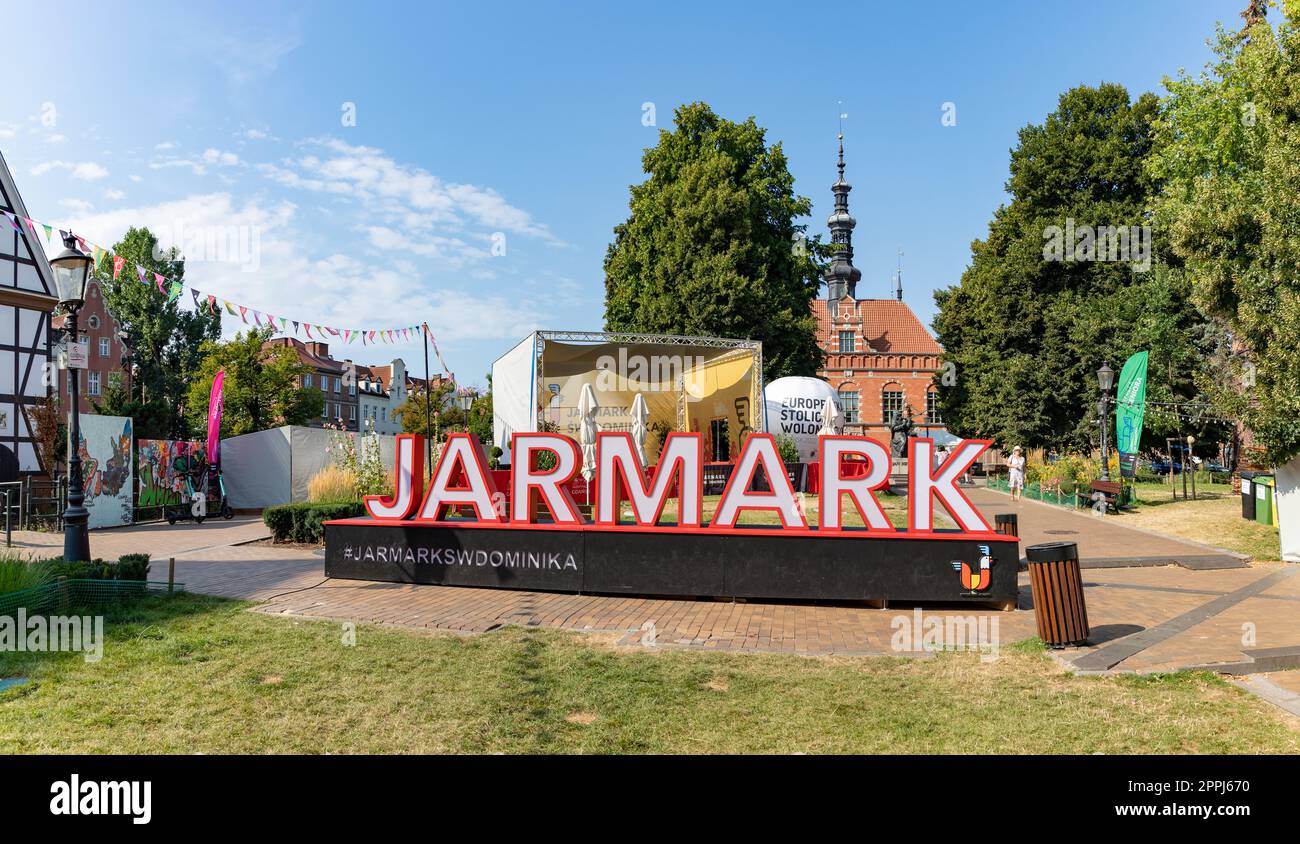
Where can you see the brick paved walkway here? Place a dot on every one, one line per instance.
(1147, 618)
(1103, 540)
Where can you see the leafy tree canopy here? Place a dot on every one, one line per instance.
(1027, 330)
(1228, 153)
(443, 416)
(164, 341)
(261, 387)
(711, 245)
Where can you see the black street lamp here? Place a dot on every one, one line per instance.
(71, 272)
(1105, 379)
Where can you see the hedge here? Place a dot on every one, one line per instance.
(128, 567)
(303, 521)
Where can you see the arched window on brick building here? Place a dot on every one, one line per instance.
(849, 404)
(891, 402)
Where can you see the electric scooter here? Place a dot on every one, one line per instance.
(197, 496)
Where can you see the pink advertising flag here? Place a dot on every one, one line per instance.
(214, 418)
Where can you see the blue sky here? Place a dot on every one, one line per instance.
(482, 124)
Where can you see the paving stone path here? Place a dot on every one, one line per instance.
(1150, 609)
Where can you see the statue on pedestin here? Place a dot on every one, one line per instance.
(901, 430)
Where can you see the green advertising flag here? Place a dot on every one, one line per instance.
(1130, 404)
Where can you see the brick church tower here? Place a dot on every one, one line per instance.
(879, 356)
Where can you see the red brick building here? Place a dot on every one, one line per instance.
(106, 351)
(879, 356)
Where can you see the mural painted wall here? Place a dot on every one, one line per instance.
(162, 466)
(107, 469)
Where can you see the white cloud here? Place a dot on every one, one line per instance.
(254, 134)
(86, 171)
(196, 167)
(403, 195)
(164, 146)
(337, 288)
(199, 166)
(112, 194)
(217, 158)
(245, 58)
(77, 206)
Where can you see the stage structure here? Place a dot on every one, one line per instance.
(709, 385)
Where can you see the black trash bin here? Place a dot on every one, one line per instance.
(1057, 585)
(1248, 495)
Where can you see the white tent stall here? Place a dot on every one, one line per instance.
(708, 384)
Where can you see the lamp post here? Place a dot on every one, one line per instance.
(465, 400)
(71, 271)
(1105, 378)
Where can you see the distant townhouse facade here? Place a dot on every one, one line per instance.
(336, 379)
(381, 391)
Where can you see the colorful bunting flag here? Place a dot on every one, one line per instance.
(173, 290)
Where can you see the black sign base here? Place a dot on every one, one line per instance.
(739, 563)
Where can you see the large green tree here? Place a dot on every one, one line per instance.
(164, 341)
(712, 246)
(1228, 153)
(260, 390)
(1035, 316)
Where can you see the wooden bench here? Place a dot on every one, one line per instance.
(1109, 491)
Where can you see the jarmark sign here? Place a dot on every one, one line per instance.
(460, 528)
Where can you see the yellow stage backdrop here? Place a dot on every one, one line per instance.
(714, 390)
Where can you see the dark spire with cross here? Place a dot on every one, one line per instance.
(841, 276)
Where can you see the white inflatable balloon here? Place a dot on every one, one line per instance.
(794, 408)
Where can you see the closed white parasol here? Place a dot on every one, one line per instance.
(640, 419)
(587, 409)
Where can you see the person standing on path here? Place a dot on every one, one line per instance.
(1016, 474)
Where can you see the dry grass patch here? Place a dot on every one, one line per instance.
(1212, 521)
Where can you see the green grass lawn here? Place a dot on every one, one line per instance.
(190, 674)
(1213, 518)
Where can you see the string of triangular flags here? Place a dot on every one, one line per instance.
(105, 258)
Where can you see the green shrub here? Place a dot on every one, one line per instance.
(129, 567)
(303, 521)
(133, 567)
(785, 446)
